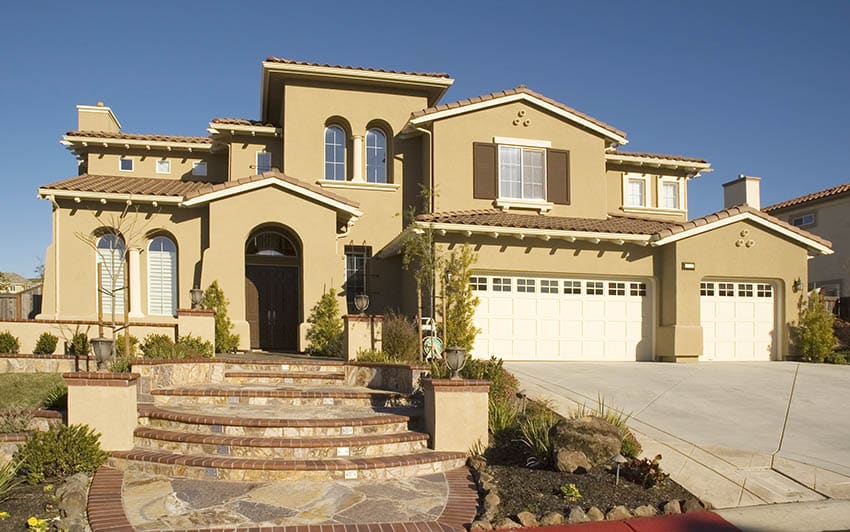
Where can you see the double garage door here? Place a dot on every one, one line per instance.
(738, 320)
(547, 318)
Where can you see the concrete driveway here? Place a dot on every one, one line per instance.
(774, 431)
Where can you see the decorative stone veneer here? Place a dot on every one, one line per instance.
(396, 377)
(42, 364)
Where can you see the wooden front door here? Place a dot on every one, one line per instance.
(271, 306)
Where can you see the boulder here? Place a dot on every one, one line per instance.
(618, 513)
(645, 511)
(598, 439)
(552, 518)
(481, 524)
(491, 502)
(527, 519)
(671, 507)
(73, 504)
(571, 461)
(577, 515)
(507, 522)
(692, 505)
(595, 514)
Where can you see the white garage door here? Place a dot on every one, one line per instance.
(537, 318)
(738, 320)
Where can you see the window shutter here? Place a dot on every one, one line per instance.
(485, 176)
(162, 280)
(558, 176)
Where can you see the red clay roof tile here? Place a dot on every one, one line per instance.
(814, 196)
(272, 59)
(140, 136)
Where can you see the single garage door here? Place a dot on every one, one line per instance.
(738, 320)
(543, 318)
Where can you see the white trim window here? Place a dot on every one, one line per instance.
(356, 260)
(635, 190)
(522, 173)
(804, 220)
(669, 193)
(163, 166)
(264, 161)
(376, 156)
(334, 153)
(125, 164)
(162, 277)
(109, 259)
(199, 168)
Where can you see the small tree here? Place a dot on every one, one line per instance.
(225, 340)
(459, 300)
(814, 336)
(325, 333)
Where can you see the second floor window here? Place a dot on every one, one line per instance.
(522, 173)
(334, 153)
(669, 195)
(264, 161)
(125, 164)
(376, 156)
(636, 193)
(199, 168)
(163, 166)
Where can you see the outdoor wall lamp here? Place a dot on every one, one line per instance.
(361, 303)
(798, 285)
(689, 266)
(197, 296)
(455, 360)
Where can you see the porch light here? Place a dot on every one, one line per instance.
(102, 348)
(689, 266)
(455, 360)
(197, 296)
(361, 303)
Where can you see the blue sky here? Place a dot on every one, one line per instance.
(755, 87)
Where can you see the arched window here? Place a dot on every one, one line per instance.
(110, 262)
(270, 243)
(162, 277)
(334, 153)
(376, 156)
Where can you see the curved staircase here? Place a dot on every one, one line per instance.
(277, 421)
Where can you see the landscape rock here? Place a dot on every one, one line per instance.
(491, 503)
(645, 511)
(74, 483)
(73, 503)
(692, 505)
(77, 524)
(507, 522)
(618, 513)
(481, 524)
(671, 507)
(577, 515)
(476, 462)
(527, 519)
(571, 461)
(595, 514)
(598, 439)
(553, 518)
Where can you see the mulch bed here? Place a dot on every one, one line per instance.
(26, 501)
(539, 490)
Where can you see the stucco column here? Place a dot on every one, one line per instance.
(135, 283)
(357, 158)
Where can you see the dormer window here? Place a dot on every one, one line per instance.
(199, 168)
(125, 164)
(669, 193)
(264, 161)
(163, 166)
(522, 173)
(334, 153)
(636, 193)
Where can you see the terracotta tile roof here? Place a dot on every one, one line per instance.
(658, 156)
(497, 218)
(140, 136)
(522, 89)
(272, 59)
(127, 185)
(207, 188)
(240, 122)
(814, 196)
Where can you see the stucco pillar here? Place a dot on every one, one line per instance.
(357, 158)
(107, 403)
(135, 283)
(456, 413)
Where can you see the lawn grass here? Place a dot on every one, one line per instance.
(27, 389)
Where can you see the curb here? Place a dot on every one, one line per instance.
(690, 522)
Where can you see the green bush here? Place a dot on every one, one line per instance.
(119, 347)
(461, 301)
(56, 398)
(8, 479)
(193, 347)
(59, 452)
(534, 427)
(15, 419)
(631, 448)
(158, 346)
(120, 364)
(400, 339)
(814, 336)
(325, 333)
(372, 355)
(225, 340)
(9, 343)
(79, 345)
(46, 344)
(503, 418)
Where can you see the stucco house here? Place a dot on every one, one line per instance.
(585, 251)
(825, 213)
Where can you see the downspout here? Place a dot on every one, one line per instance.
(431, 206)
(55, 256)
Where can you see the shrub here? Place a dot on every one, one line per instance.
(372, 355)
(534, 428)
(814, 337)
(460, 299)
(503, 384)
(15, 419)
(79, 345)
(646, 472)
(119, 347)
(325, 334)
(503, 417)
(46, 344)
(158, 346)
(8, 479)
(225, 341)
(59, 452)
(9, 343)
(570, 492)
(631, 447)
(120, 364)
(56, 397)
(400, 339)
(193, 347)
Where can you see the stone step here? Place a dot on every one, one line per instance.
(284, 377)
(272, 422)
(263, 469)
(329, 366)
(229, 394)
(190, 443)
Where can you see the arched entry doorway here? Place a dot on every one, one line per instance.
(273, 288)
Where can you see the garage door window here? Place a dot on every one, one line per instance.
(478, 283)
(745, 290)
(764, 290)
(637, 289)
(525, 285)
(501, 284)
(572, 287)
(726, 289)
(616, 289)
(548, 286)
(706, 289)
(595, 288)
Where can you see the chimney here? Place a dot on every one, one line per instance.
(742, 191)
(97, 117)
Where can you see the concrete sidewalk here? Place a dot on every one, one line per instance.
(820, 516)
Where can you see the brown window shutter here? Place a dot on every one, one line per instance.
(558, 176)
(484, 171)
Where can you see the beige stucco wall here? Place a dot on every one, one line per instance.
(109, 410)
(242, 158)
(614, 178)
(106, 162)
(456, 417)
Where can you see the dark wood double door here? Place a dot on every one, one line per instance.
(271, 306)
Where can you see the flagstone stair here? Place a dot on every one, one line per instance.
(279, 421)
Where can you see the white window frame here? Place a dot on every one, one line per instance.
(132, 163)
(522, 149)
(197, 165)
(802, 219)
(680, 192)
(647, 190)
(174, 293)
(257, 161)
(165, 162)
(345, 139)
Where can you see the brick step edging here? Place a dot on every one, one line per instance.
(329, 375)
(198, 419)
(282, 394)
(289, 443)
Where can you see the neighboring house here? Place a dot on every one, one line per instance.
(12, 283)
(585, 252)
(825, 213)
(20, 298)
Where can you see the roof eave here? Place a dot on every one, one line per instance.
(72, 141)
(105, 197)
(693, 167)
(216, 128)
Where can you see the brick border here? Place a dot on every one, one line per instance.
(456, 385)
(286, 443)
(14, 437)
(230, 360)
(106, 509)
(43, 357)
(198, 419)
(330, 375)
(82, 378)
(328, 392)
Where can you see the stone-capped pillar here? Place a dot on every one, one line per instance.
(107, 403)
(357, 158)
(135, 283)
(456, 413)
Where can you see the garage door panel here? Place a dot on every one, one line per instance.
(615, 329)
(501, 306)
(738, 321)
